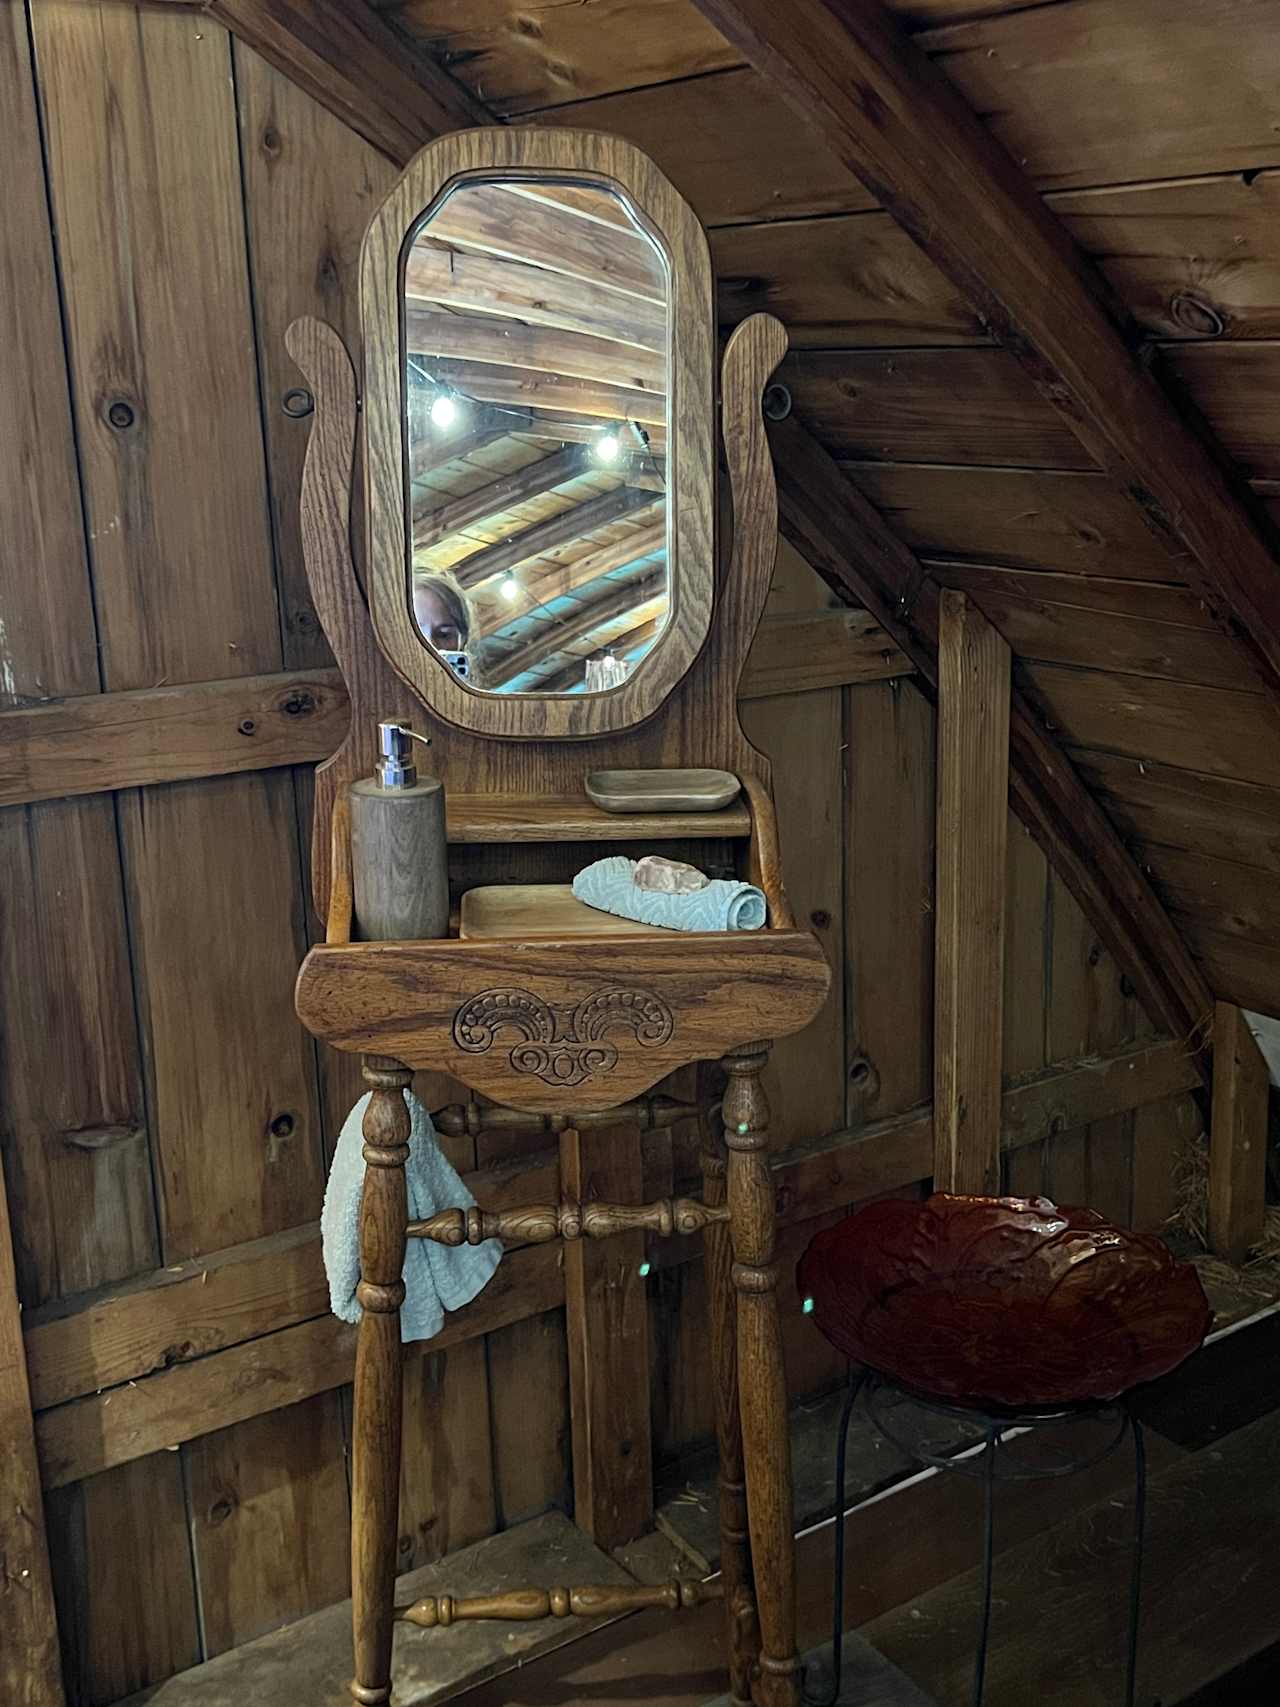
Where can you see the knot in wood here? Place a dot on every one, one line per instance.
(381, 1300)
(385, 1155)
(1195, 315)
(754, 1277)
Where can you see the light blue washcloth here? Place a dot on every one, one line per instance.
(436, 1277)
(609, 885)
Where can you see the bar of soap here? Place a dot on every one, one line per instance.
(668, 876)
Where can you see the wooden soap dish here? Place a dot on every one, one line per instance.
(626, 791)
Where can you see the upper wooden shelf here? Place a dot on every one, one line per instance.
(472, 818)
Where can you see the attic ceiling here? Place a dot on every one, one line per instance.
(1150, 129)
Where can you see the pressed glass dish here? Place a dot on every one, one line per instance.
(1002, 1301)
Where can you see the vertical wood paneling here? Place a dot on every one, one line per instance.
(270, 1523)
(446, 1472)
(529, 1402)
(72, 1130)
(217, 920)
(889, 900)
(146, 196)
(608, 1341)
(802, 735)
(311, 185)
(1025, 973)
(126, 1593)
(30, 1668)
(75, 1134)
(973, 821)
(47, 642)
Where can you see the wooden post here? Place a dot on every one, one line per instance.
(972, 827)
(1238, 1145)
(30, 1668)
(762, 1384)
(377, 1413)
(743, 1631)
(607, 1323)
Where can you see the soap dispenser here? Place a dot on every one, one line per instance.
(399, 855)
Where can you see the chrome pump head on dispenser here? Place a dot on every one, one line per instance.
(395, 767)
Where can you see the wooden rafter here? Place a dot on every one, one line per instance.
(542, 588)
(535, 478)
(548, 535)
(483, 284)
(615, 602)
(572, 674)
(896, 122)
(523, 388)
(543, 349)
(848, 542)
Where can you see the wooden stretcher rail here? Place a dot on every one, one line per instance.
(472, 1119)
(537, 1223)
(526, 1605)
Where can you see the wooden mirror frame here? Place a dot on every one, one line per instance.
(586, 157)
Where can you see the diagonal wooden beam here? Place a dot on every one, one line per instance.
(851, 546)
(346, 57)
(894, 120)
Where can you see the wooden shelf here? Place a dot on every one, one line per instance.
(537, 910)
(473, 818)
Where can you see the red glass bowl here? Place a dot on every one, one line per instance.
(1002, 1301)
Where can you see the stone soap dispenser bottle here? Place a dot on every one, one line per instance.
(399, 856)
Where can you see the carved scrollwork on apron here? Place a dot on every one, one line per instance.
(562, 1044)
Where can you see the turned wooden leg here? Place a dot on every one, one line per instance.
(735, 1546)
(762, 1387)
(375, 1447)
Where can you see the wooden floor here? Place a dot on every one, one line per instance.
(1211, 1604)
(1212, 1597)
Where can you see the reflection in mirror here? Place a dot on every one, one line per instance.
(536, 350)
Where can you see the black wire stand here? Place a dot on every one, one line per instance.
(990, 1461)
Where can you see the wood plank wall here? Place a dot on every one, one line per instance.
(172, 203)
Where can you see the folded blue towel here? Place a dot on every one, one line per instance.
(609, 885)
(436, 1277)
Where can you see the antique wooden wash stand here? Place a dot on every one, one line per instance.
(570, 1031)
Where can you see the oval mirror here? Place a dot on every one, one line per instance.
(535, 350)
(539, 431)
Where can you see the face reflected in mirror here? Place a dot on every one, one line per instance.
(536, 421)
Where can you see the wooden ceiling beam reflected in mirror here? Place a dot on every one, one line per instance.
(542, 349)
(531, 481)
(486, 285)
(518, 388)
(641, 597)
(538, 586)
(571, 524)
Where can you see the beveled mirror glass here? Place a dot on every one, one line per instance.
(536, 340)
